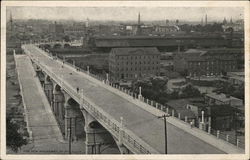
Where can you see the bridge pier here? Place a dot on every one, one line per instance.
(58, 103)
(70, 118)
(48, 88)
(97, 137)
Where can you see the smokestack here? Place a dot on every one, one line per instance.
(206, 20)
(139, 19)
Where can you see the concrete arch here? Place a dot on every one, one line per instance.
(98, 139)
(47, 79)
(57, 45)
(56, 88)
(46, 46)
(66, 45)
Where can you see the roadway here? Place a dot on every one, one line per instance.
(142, 123)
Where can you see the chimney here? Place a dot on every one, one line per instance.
(206, 20)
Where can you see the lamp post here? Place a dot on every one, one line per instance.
(165, 131)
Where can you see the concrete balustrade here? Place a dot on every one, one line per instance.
(179, 115)
(172, 112)
(237, 142)
(186, 119)
(227, 137)
(209, 130)
(152, 103)
(218, 134)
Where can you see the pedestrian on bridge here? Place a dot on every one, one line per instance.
(77, 89)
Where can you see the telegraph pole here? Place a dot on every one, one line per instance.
(94, 143)
(70, 135)
(165, 131)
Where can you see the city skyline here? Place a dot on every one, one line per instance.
(126, 13)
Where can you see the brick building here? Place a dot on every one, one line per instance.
(132, 63)
(207, 62)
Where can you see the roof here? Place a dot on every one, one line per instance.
(221, 97)
(204, 54)
(138, 41)
(180, 106)
(135, 51)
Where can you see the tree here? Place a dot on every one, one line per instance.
(14, 139)
(66, 38)
(190, 91)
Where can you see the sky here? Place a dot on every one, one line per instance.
(126, 13)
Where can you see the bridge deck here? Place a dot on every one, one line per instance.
(142, 123)
(41, 121)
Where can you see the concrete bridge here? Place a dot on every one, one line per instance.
(110, 111)
(57, 44)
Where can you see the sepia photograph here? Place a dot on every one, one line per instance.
(124, 78)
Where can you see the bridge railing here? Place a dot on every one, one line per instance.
(151, 103)
(128, 138)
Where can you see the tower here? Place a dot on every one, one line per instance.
(202, 21)
(139, 24)
(206, 20)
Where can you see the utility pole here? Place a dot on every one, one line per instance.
(70, 135)
(165, 131)
(94, 143)
(235, 125)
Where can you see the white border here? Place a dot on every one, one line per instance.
(244, 4)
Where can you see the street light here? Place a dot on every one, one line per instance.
(165, 129)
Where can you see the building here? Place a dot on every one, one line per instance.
(132, 63)
(237, 26)
(222, 99)
(193, 109)
(207, 62)
(236, 78)
(56, 28)
(166, 29)
(163, 44)
(75, 30)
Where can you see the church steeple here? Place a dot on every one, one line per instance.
(138, 32)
